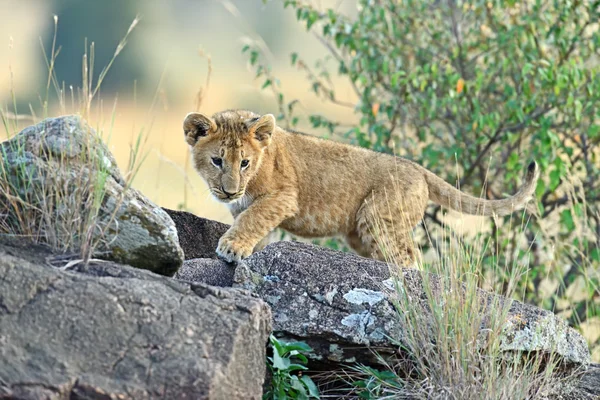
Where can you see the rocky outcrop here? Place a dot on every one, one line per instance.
(61, 172)
(108, 331)
(588, 384)
(341, 304)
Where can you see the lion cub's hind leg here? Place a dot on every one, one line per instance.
(385, 221)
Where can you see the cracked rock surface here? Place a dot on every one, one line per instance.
(114, 332)
(339, 303)
(64, 158)
(342, 304)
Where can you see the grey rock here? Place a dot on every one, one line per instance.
(65, 156)
(207, 271)
(342, 304)
(588, 386)
(109, 331)
(198, 237)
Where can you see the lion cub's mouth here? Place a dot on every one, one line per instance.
(226, 198)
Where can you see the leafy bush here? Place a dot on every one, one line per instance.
(286, 366)
(478, 88)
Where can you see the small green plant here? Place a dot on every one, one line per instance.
(286, 366)
(373, 385)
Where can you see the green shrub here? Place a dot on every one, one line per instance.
(474, 90)
(286, 366)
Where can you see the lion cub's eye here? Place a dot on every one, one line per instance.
(245, 164)
(217, 162)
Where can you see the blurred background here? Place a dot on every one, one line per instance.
(154, 82)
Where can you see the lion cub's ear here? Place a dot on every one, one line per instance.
(197, 125)
(262, 129)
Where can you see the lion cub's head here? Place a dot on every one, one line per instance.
(227, 149)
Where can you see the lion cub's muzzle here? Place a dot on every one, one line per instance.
(225, 196)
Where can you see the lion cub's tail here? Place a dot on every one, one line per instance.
(446, 195)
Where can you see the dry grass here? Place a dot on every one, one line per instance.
(450, 355)
(60, 205)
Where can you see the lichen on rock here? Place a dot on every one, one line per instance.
(66, 182)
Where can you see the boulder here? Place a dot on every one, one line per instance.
(208, 271)
(63, 173)
(198, 237)
(342, 304)
(108, 331)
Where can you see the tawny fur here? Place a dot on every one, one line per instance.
(316, 188)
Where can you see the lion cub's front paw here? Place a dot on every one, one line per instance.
(231, 250)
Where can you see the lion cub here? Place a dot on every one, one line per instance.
(269, 178)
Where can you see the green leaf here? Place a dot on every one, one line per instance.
(280, 362)
(277, 345)
(295, 367)
(566, 219)
(253, 57)
(310, 385)
(266, 84)
(299, 387)
(395, 77)
(300, 346)
(595, 254)
(554, 179)
(311, 18)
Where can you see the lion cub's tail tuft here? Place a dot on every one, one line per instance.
(446, 195)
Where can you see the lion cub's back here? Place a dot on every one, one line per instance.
(333, 180)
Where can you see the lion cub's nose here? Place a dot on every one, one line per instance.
(226, 192)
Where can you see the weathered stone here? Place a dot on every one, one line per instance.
(109, 331)
(342, 305)
(588, 386)
(64, 160)
(198, 237)
(207, 271)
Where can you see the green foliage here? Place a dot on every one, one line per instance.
(478, 88)
(286, 366)
(376, 383)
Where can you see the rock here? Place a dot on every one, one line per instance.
(64, 172)
(198, 237)
(207, 271)
(588, 387)
(341, 304)
(109, 331)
